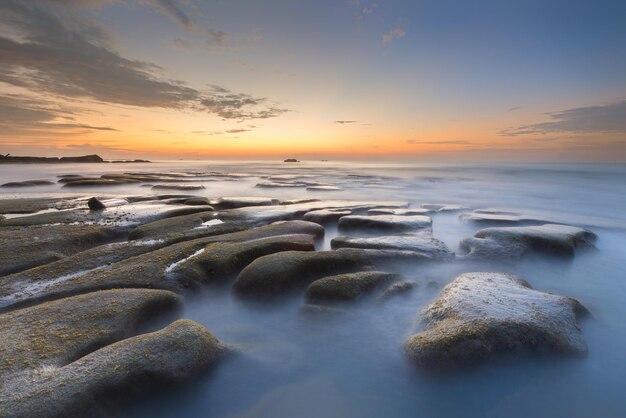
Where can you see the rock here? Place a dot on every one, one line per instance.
(347, 287)
(28, 183)
(95, 204)
(515, 242)
(89, 385)
(277, 273)
(56, 333)
(323, 188)
(291, 160)
(422, 242)
(262, 215)
(196, 201)
(500, 218)
(89, 182)
(117, 213)
(240, 202)
(325, 216)
(82, 159)
(443, 208)
(177, 267)
(27, 247)
(176, 186)
(279, 184)
(93, 158)
(395, 289)
(481, 314)
(22, 206)
(399, 212)
(186, 227)
(35, 283)
(222, 261)
(384, 223)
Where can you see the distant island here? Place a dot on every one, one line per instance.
(81, 159)
(291, 160)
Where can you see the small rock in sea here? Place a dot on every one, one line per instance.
(350, 286)
(291, 160)
(395, 289)
(480, 314)
(95, 204)
(384, 223)
(518, 241)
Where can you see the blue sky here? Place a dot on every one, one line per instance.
(506, 79)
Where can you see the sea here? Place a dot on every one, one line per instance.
(289, 366)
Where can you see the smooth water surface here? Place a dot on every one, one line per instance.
(290, 365)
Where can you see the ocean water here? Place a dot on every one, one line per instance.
(289, 365)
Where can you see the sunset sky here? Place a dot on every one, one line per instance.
(431, 80)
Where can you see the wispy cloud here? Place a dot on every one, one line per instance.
(445, 142)
(344, 122)
(581, 120)
(20, 114)
(395, 33)
(68, 56)
(226, 132)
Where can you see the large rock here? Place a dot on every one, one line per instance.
(28, 183)
(187, 227)
(515, 242)
(36, 282)
(395, 223)
(231, 202)
(493, 217)
(480, 314)
(421, 242)
(325, 216)
(56, 333)
(32, 205)
(27, 247)
(350, 286)
(90, 385)
(399, 212)
(276, 273)
(116, 212)
(176, 267)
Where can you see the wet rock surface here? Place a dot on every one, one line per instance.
(277, 273)
(77, 286)
(481, 314)
(28, 183)
(27, 247)
(375, 223)
(347, 287)
(135, 365)
(422, 242)
(325, 216)
(515, 242)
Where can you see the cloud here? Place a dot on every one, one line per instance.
(171, 9)
(514, 108)
(226, 132)
(20, 114)
(66, 55)
(395, 33)
(344, 122)
(609, 118)
(447, 142)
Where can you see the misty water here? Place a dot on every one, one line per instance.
(289, 365)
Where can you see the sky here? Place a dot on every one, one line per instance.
(422, 80)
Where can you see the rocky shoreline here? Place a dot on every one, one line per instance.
(93, 158)
(90, 276)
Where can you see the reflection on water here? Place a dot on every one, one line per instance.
(291, 365)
